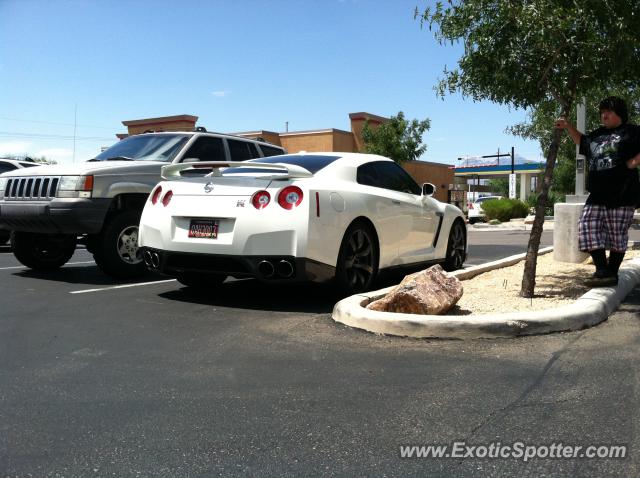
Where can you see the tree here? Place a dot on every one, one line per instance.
(398, 138)
(528, 54)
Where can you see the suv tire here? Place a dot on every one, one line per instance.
(116, 249)
(42, 251)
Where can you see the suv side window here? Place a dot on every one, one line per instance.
(387, 175)
(4, 167)
(242, 150)
(207, 149)
(270, 150)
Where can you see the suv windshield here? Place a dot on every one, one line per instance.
(156, 147)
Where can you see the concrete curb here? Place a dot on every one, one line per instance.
(589, 310)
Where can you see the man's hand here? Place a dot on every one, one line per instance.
(634, 162)
(561, 123)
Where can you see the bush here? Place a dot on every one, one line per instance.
(552, 199)
(504, 209)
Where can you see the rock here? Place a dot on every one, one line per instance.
(428, 292)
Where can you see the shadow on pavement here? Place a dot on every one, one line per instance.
(254, 295)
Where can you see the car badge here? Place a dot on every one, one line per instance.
(208, 187)
(240, 203)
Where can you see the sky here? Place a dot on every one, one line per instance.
(72, 70)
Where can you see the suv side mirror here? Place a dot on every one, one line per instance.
(428, 189)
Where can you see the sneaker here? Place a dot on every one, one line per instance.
(602, 280)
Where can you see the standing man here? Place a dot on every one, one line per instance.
(613, 154)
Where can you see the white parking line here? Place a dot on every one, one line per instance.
(25, 267)
(120, 286)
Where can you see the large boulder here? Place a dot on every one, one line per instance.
(428, 292)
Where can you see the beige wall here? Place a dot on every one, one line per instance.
(441, 175)
(343, 141)
(296, 142)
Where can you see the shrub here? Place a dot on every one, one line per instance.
(504, 209)
(552, 199)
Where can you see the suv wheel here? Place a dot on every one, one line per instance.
(42, 251)
(116, 250)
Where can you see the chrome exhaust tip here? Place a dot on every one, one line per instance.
(285, 269)
(155, 260)
(146, 256)
(266, 269)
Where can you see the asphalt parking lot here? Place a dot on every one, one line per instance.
(146, 379)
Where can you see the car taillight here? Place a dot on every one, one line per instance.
(261, 199)
(156, 194)
(166, 198)
(290, 197)
(470, 205)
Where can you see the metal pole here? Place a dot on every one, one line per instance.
(512, 160)
(581, 122)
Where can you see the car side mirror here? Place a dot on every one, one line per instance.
(428, 189)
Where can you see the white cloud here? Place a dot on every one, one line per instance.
(57, 154)
(14, 148)
(220, 93)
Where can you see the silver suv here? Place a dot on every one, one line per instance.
(52, 208)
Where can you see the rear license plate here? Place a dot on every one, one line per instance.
(203, 228)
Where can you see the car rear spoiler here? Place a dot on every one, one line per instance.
(173, 171)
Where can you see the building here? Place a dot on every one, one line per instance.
(331, 139)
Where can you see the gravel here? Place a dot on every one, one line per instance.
(557, 284)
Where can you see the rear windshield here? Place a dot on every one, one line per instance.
(312, 163)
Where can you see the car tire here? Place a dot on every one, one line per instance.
(42, 251)
(116, 250)
(200, 281)
(456, 247)
(357, 266)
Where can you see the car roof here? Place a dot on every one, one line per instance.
(210, 133)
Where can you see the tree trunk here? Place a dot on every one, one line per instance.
(531, 261)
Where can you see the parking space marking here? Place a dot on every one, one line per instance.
(25, 267)
(123, 286)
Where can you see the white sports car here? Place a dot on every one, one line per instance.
(299, 217)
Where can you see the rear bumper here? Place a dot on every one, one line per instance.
(266, 268)
(68, 216)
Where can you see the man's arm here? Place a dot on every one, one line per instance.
(562, 123)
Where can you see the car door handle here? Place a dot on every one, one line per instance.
(394, 201)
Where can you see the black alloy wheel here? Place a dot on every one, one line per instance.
(456, 247)
(357, 266)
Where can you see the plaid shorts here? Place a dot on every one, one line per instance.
(602, 228)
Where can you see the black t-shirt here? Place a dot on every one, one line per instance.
(609, 182)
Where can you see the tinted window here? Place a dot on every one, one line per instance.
(387, 175)
(30, 165)
(242, 150)
(270, 150)
(312, 163)
(4, 167)
(206, 149)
